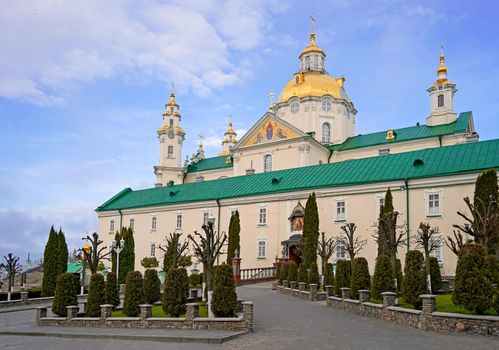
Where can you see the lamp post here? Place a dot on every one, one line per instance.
(86, 248)
(117, 248)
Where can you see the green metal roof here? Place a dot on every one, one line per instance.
(405, 134)
(75, 267)
(209, 164)
(449, 160)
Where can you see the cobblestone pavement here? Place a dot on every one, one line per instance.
(281, 322)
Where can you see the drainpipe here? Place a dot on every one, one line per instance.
(407, 212)
(218, 220)
(330, 155)
(440, 140)
(121, 219)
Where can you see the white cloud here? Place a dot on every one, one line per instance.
(52, 46)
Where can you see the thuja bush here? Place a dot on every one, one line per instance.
(472, 288)
(414, 283)
(96, 295)
(328, 275)
(292, 271)
(176, 291)
(383, 277)
(65, 293)
(112, 290)
(152, 286)
(224, 298)
(342, 278)
(435, 276)
(303, 274)
(134, 294)
(313, 275)
(284, 272)
(361, 279)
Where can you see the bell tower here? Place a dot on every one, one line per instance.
(229, 141)
(441, 97)
(171, 137)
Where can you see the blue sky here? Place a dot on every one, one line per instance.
(83, 85)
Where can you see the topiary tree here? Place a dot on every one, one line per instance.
(313, 275)
(284, 271)
(383, 280)
(112, 290)
(292, 271)
(414, 283)
(436, 277)
(96, 295)
(234, 230)
(149, 262)
(50, 265)
(329, 275)
(194, 280)
(361, 279)
(127, 255)
(176, 291)
(134, 294)
(65, 293)
(224, 298)
(472, 288)
(343, 273)
(302, 274)
(310, 236)
(152, 286)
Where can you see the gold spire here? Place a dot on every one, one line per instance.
(312, 35)
(230, 130)
(442, 68)
(312, 46)
(172, 97)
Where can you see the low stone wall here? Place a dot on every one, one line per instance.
(301, 293)
(34, 301)
(425, 319)
(243, 322)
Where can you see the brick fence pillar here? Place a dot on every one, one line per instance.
(145, 311)
(429, 303)
(41, 312)
(364, 295)
(388, 298)
(248, 314)
(313, 291)
(329, 290)
(302, 285)
(106, 310)
(192, 311)
(345, 293)
(72, 311)
(24, 296)
(285, 283)
(292, 284)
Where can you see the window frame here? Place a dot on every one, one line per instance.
(177, 217)
(431, 213)
(440, 254)
(152, 249)
(440, 101)
(262, 214)
(378, 198)
(154, 222)
(337, 217)
(169, 154)
(131, 224)
(340, 251)
(261, 242)
(265, 163)
(111, 226)
(328, 126)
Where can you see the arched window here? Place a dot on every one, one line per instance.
(326, 133)
(267, 163)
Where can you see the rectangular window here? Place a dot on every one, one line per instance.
(153, 249)
(154, 223)
(437, 253)
(111, 226)
(171, 122)
(170, 152)
(440, 100)
(132, 224)
(262, 249)
(434, 207)
(206, 217)
(262, 217)
(341, 251)
(340, 210)
(380, 200)
(179, 221)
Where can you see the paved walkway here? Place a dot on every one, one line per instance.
(281, 322)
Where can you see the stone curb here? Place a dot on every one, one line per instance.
(158, 338)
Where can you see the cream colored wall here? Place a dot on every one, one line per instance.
(361, 209)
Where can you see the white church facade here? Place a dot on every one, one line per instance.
(306, 142)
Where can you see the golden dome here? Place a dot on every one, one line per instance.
(315, 84)
(312, 47)
(172, 100)
(230, 130)
(441, 67)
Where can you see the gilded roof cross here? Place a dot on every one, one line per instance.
(313, 22)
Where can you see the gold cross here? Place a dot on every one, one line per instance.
(271, 97)
(313, 21)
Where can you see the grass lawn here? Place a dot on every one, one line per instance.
(445, 304)
(157, 311)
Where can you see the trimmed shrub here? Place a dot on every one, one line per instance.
(96, 295)
(313, 275)
(284, 272)
(194, 280)
(302, 274)
(134, 294)
(383, 277)
(176, 292)
(224, 298)
(112, 290)
(342, 279)
(472, 289)
(414, 278)
(435, 277)
(152, 286)
(329, 275)
(361, 279)
(292, 271)
(149, 262)
(65, 293)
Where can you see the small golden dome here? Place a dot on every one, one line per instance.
(230, 130)
(312, 47)
(441, 67)
(172, 100)
(315, 84)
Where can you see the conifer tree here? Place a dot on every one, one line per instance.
(414, 278)
(313, 275)
(234, 230)
(310, 231)
(112, 290)
(224, 301)
(62, 253)
(176, 291)
(343, 275)
(486, 192)
(152, 286)
(96, 295)
(50, 265)
(134, 294)
(436, 277)
(127, 256)
(65, 293)
(361, 279)
(329, 275)
(383, 280)
(292, 271)
(302, 274)
(284, 271)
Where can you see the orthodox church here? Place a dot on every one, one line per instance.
(306, 142)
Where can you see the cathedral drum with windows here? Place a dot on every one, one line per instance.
(306, 143)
